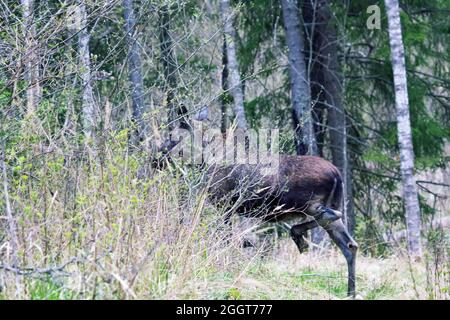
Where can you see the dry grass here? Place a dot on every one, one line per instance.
(104, 228)
(287, 275)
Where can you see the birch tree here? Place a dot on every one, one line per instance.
(134, 69)
(234, 78)
(88, 104)
(410, 195)
(300, 90)
(33, 91)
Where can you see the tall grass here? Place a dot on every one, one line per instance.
(104, 225)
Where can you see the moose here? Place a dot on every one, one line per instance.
(304, 191)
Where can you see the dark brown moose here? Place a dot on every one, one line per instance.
(305, 189)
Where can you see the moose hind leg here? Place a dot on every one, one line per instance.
(340, 236)
(298, 232)
(322, 217)
(327, 214)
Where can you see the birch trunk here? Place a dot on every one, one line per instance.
(234, 81)
(33, 91)
(88, 105)
(300, 90)
(410, 195)
(134, 69)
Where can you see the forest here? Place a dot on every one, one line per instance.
(114, 116)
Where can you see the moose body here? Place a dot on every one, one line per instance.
(304, 189)
(299, 184)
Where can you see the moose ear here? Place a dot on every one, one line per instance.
(202, 114)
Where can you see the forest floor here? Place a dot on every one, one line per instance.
(285, 274)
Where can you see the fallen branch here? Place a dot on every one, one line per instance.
(31, 271)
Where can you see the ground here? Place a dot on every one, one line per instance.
(283, 274)
(313, 275)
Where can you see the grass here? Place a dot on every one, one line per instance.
(47, 289)
(313, 276)
(283, 275)
(113, 229)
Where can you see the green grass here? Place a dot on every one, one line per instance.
(383, 291)
(308, 276)
(47, 289)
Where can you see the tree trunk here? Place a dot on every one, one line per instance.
(169, 64)
(315, 34)
(88, 106)
(333, 92)
(300, 90)
(410, 195)
(224, 100)
(33, 91)
(235, 84)
(134, 69)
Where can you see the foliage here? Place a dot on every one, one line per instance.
(101, 202)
